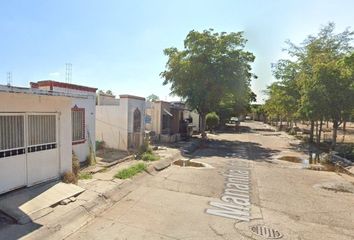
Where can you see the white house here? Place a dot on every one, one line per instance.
(35, 136)
(83, 114)
(166, 121)
(120, 122)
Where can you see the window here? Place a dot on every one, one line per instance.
(41, 133)
(78, 124)
(11, 136)
(137, 121)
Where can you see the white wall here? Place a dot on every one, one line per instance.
(111, 126)
(115, 122)
(104, 99)
(30, 103)
(87, 101)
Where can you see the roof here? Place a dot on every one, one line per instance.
(35, 91)
(51, 84)
(131, 96)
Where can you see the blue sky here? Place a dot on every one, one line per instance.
(118, 45)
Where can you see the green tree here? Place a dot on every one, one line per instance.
(212, 120)
(152, 98)
(109, 92)
(211, 66)
(317, 84)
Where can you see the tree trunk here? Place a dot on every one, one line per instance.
(311, 131)
(334, 134)
(202, 125)
(316, 130)
(344, 126)
(319, 133)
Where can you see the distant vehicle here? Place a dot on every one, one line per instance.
(248, 118)
(234, 122)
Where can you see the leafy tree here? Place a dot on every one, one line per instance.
(212, 120)
(152, 98)
(109, 92)
(210, 67)
(318, 83)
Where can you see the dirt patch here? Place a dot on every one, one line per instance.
(109, 155)
(343, 187)
(183, 163)
(291, 159)
(263, 130)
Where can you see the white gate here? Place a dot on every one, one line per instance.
(12, 152)
(29, 151)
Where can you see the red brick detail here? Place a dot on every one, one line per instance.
(51, 84)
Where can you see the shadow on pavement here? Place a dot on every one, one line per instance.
(245, 150)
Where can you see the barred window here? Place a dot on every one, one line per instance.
(41, 129)
(11, 132)
(78, 124)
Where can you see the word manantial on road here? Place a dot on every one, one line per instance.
(236, 197)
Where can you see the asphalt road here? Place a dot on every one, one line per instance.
(243, 187)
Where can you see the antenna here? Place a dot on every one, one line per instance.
(68, 72)
(9, 78)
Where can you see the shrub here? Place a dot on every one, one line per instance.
(69, 177)
(131, 171)
(144, 148)
(75, 164)
(85, 175)
(100, 145)
(149, 157)
(212, 120)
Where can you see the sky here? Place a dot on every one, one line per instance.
(118, 45)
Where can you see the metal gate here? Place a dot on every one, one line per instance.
(28, 149)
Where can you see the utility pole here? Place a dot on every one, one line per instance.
(9, 78)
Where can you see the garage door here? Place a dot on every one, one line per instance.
(28, 149)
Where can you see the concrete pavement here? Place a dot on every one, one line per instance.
(174, 203)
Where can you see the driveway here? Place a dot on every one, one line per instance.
(243, 190)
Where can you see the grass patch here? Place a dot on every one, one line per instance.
(131, 171)
(85, 175)
(147, 156)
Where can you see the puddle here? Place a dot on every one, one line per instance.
(184, 163)
(324, 167)
(291, 159)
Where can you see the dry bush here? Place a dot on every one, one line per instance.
(69, 177)
(75, 164)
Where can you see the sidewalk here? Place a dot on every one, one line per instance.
(101, 192)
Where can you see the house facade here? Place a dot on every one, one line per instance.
(168, 121)
(120, 122)
(35, 136)
(83, 114)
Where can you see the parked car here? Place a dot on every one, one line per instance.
(234, 122)
(248, 118)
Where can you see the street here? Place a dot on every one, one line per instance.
(195, 202)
